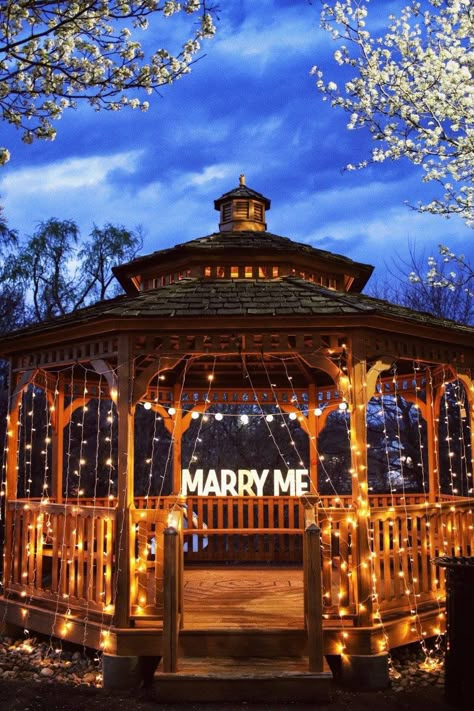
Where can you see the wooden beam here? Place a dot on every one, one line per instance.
(431, 440)
(58, 444)
(177, 436)
(125, 466)
(313, 433)
(360, 485)
(171, 599)
(313, 596)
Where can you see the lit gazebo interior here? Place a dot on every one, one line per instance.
(241, 395)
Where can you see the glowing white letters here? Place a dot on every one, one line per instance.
(244, 482)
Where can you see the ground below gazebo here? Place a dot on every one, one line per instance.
(31, 696)
(70, 684)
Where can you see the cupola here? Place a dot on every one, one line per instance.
(242, 209)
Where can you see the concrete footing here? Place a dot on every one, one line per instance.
(128, 672)
(120, 672)
(365, 672)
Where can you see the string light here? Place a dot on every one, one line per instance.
(341, 527)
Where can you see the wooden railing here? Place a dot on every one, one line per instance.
(61, 553)
(404, 542)
(253, 528)
(147, 545)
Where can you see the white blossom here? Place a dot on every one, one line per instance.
(413, 88)
(53, 55)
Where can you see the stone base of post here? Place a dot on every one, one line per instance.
(128, 672)
(365, 672)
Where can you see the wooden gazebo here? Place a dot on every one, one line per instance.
(240, 321)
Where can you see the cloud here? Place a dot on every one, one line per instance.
(211, 173)
(65, 175)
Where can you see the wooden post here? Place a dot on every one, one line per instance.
(170, 599)
(468, 382)
(431, 443)
(58, 444)
(313, 598)
(313, 430)
(360, 499)
(177, 435)
(11, 478)
(125, 466)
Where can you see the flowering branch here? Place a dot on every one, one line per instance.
(53, 54)
(413, 89)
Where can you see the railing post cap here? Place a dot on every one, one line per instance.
(170, 531)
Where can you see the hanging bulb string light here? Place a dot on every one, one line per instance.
(10, 433)
(82, 462)
(462, 414)
(433, 421)
(197, 439)
(89, 582)
(62, 544)
(151, 459)
(404, 525)
(174, 421)
(327, 515)
(420, 408)
(430, 654)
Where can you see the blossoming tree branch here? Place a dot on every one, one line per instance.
(413, 88)
(54, 54)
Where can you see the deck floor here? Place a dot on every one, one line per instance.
(243, 597)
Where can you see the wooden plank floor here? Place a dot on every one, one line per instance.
(243, 597)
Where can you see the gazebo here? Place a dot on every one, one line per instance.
(200, 561)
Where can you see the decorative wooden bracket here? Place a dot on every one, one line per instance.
(158, 365)
(103, 368)
(323, 363)
(374, 372)
(25, 380)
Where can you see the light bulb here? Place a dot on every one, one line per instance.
(147, 405)
(218, 416)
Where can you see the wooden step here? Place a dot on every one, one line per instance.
(254, 680)
(245, 642)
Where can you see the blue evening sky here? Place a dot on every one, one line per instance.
(251, 106)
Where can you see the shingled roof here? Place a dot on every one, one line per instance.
(235, 243)
(288, 296)
(242, 192)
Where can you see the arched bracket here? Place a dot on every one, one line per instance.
(26, 379)
(323, 363)
(103, 368)
(373, 374)
(158, 365)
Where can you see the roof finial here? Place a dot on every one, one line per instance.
(242, 179)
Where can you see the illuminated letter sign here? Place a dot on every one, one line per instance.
(246, 482)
